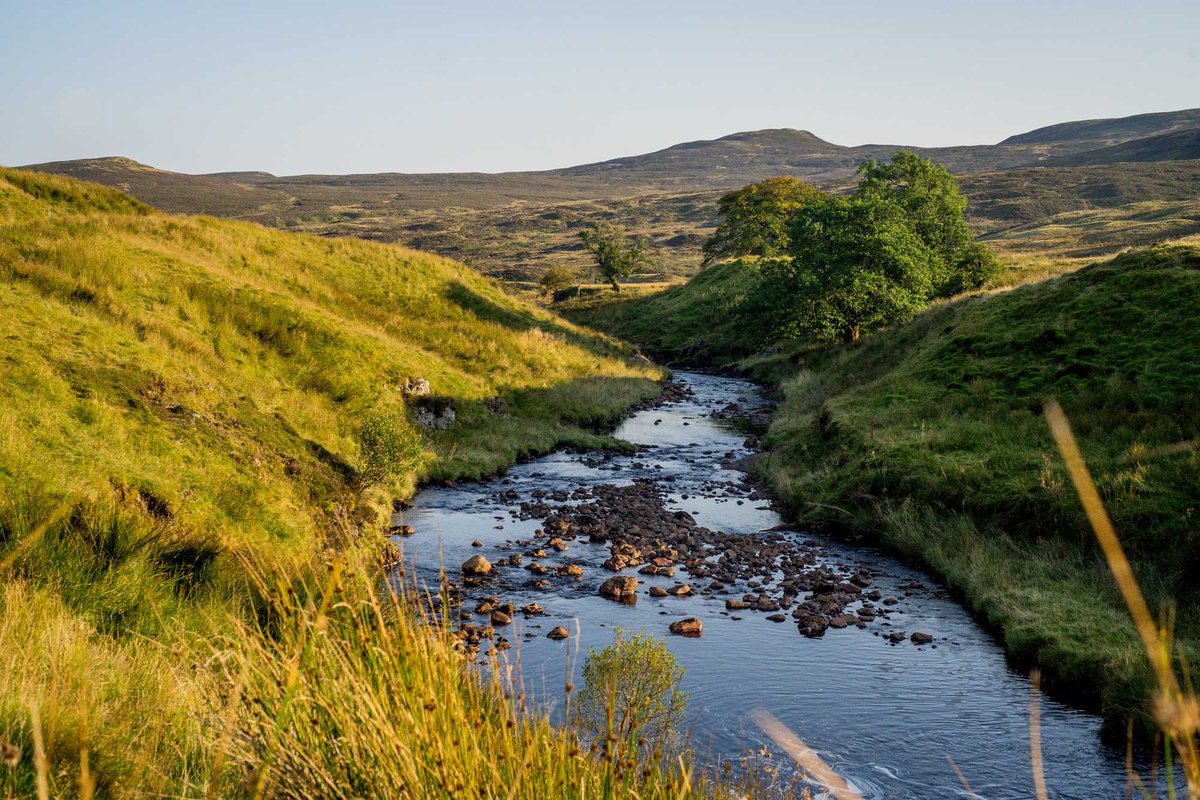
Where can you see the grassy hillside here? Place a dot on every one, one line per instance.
(692, 322)
(181, 397)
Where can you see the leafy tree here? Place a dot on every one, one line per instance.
(556, 278)
(879, 255)
(631, 691)
(615, 259)
(755, 218)
(929, 196)
(388, 447)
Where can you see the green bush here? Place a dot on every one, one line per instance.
(388, 447)
(631, 697)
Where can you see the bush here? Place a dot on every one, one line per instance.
(754, 219)
(631, 693)
(388, 447)
(556, 278)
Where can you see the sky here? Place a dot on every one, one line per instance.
(356, 86)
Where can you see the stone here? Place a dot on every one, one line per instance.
(733, 604)
(499, 618)
(658, 591)
(681, 590)
(403, 530)
(477, 543)
(558, 632)
(476, 565)
(620, 587)
(533, 610)
(690, 626)
(571, 570)
(918, 637)
(415, 387)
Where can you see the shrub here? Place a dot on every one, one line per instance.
(388, 447)
(631, 693)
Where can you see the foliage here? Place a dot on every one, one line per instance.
(388, 447)
(862, 262)
(615, 258)
(556, 278)
(631, 693)
(755, 218)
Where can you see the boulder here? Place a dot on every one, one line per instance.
(499, 618)
(476, 565)
(919, 637)
(687, 627)
(558, 632)
(658, 591)
(620, 587)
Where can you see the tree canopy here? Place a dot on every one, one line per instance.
(860, 262)
(755, 218)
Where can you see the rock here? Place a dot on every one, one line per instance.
(682, 590)
(842, 621)
(499, 618)
(890, 601)
(687, 627)
(533, 610)
(620, 587)
(658, 591)
(476, 565)
(777, 618)
(736, 605)
(415, 387)
(919, 637)
(572, 570)
(435, 412)
(558, 633)
(477, 543)
(403, 530)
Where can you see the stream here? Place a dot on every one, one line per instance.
(883, 710)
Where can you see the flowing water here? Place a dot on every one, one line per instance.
(885, 715)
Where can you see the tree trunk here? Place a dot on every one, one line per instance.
(851, 334)
(616, 286)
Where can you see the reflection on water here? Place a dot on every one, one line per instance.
(884, 715)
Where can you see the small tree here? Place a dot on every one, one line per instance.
(387, 447)
(631, 691)
(615, 259)
(556, 278)
(755, 218)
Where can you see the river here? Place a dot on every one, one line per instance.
(885, 715)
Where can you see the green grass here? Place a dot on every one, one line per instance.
(931, 435)
(177, 427)
(694, 321)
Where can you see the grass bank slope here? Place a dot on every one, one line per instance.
(693, 322)
(180, 400)
(932, 435)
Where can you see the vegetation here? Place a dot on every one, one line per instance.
(932, 436)
(191, 406)
(615, 258)
(631, 701)
(755, 219)
(556, 278)
(867, 260)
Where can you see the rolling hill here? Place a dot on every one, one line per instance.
(515, 225)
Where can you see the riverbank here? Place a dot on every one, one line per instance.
(929, 436)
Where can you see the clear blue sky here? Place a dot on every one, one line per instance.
(293, 87)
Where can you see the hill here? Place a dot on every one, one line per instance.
(516, 225)
(1173, 146)
(929, 437)
(178, 427)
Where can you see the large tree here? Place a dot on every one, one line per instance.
(754, 219)
(880, 255)
(615, 257)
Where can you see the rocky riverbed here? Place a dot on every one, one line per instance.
(864, 657)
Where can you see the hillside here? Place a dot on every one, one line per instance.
(515, 225)
(930, 437)
(178, 424)
(1174, 146)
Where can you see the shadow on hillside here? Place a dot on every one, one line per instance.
(520, 320)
